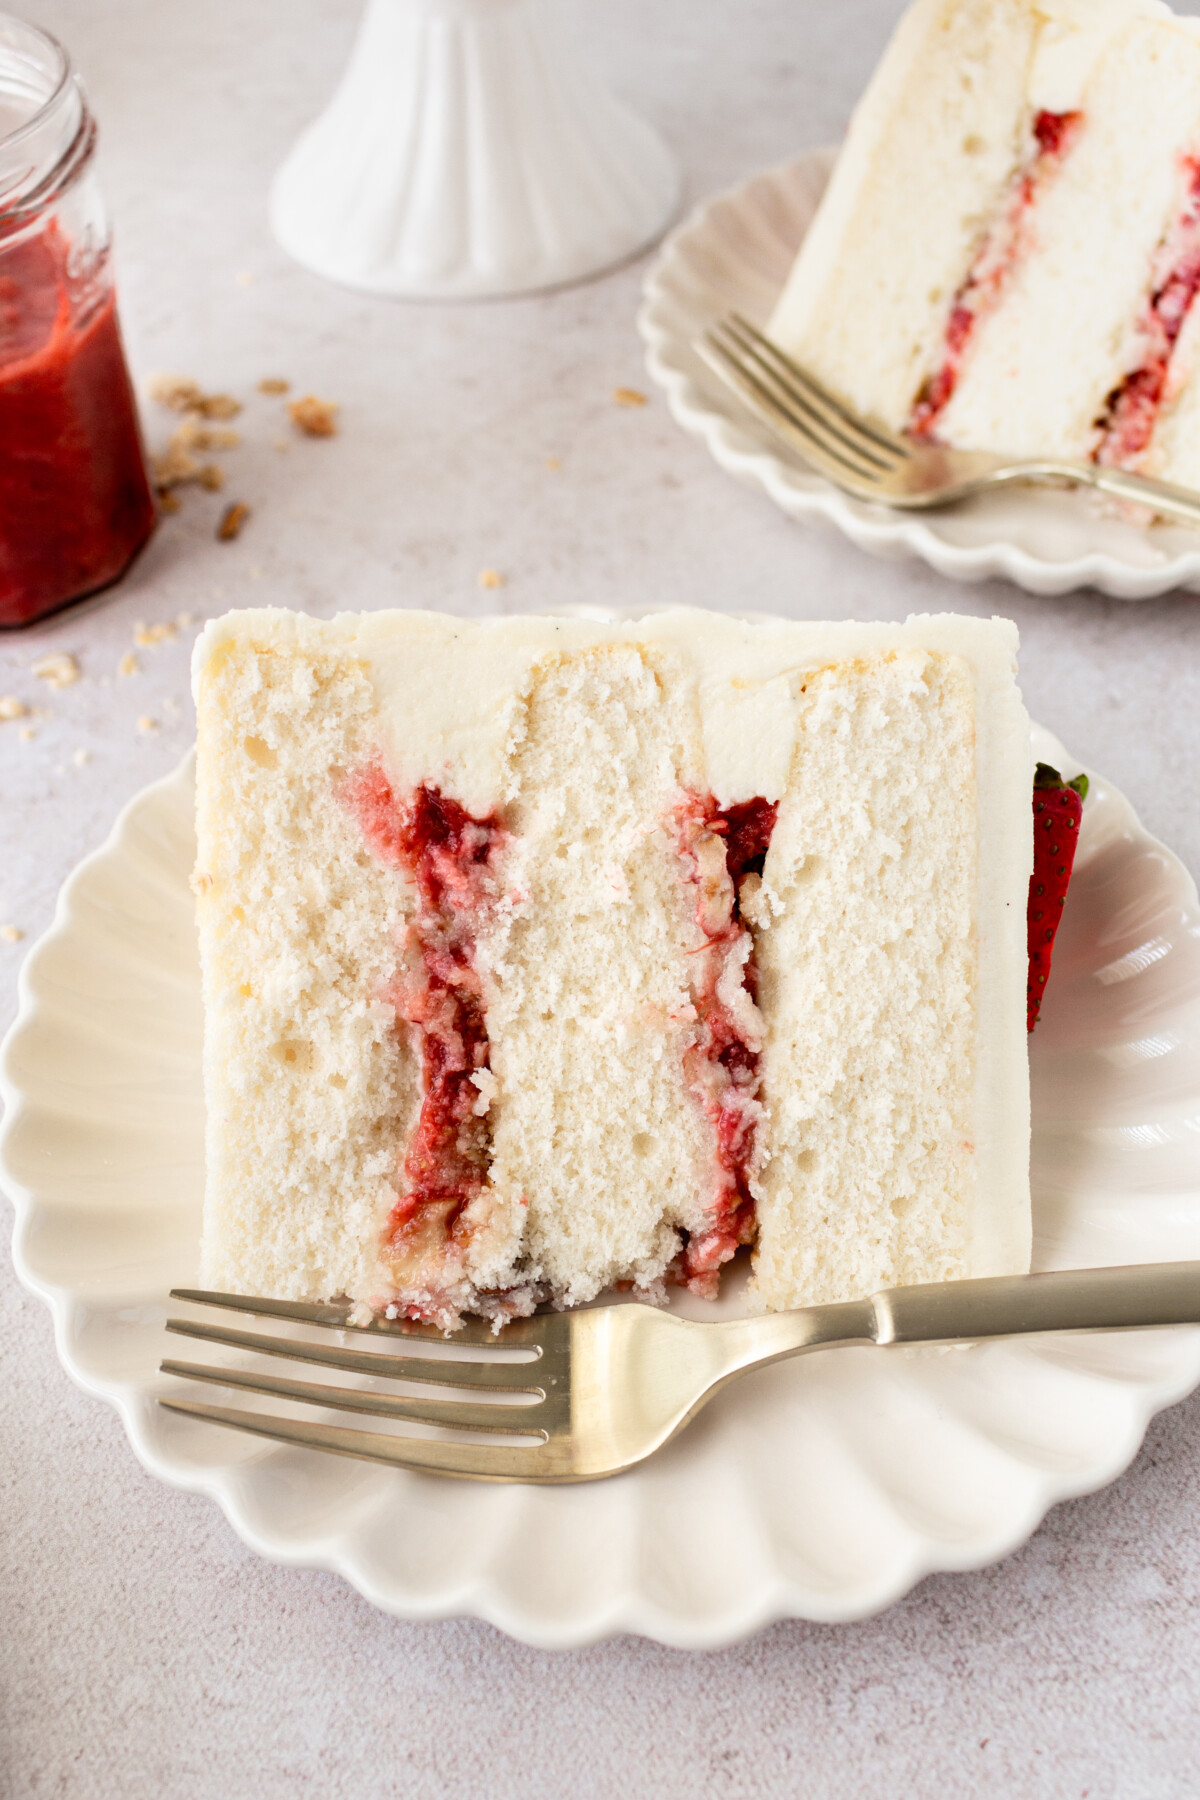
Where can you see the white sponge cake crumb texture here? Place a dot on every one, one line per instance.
(594, 1126)
(308, 1085)
(868, 948)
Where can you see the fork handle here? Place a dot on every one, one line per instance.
(1067, 1300)
(1139, 490)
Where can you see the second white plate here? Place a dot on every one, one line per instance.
(734, 254)
(821, 1488)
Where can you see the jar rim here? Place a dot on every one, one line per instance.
(37, 117)
(45, 153)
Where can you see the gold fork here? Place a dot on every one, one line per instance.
(873, 463)
(593, 1392)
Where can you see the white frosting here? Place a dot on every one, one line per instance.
(448, 688)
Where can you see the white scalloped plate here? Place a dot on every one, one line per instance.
(821, 1488)
(734, 252)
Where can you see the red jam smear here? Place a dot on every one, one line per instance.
(980, 292)
(452, 859)
(718, 848)
(75, 504)
(1131, 411)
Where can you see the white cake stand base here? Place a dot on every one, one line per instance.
(468, 152)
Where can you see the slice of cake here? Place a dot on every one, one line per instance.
(542, 955)
(1008, 252)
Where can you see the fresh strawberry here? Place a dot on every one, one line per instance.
(1057, 810)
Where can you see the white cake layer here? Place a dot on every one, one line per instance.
(931, 147)
(869, 971)
(597, 1138)
(900, 757)
(298, 1039)
(941, 134)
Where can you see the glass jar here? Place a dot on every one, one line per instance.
(75, 503)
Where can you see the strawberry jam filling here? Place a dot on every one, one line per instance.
(718, 850)
(992, 266)
(452, 860)
(1131, 410)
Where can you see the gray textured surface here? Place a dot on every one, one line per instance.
(143, 1651)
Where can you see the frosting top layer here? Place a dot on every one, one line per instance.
(449, 689)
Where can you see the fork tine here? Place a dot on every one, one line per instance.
(512, 1377)
(338, 1316)
(753, 393)
(793, 371)
(802, 411)
(478, 1462)
(510, 1419)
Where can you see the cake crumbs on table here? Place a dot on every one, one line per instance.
(314, 417)
(183, 620)
(129, 664)
(273, 384)
(490, 578)
(179, 464)
(27, 734)
(627, 396)
(179, 393)
(60, 670)
(213, 437)
(232, 520)
(12, 708)
(80, 757)
(553, 462)
(159, 633)
(146, 725)
(176, 466)
(12, 934)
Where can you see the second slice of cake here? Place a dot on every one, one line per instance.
(1008, 254)
(541, 955)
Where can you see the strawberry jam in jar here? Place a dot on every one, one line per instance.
(75, 503)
